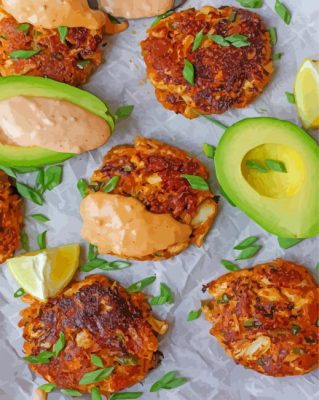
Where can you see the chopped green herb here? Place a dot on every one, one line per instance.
(42, 358)
(209, 150)
(139, 285)
(317, 266)
(246, 243)
(290, 97)
(24, 53)
(47, 387)
(232, 17)
(189, 72)
(24, 239)
(251, 3)
(238, 40)
(18, 293)
(126, 396)
(298, 351)
(249, 252)
(71, 392)
(97, 361)
(40, 217)
(128, 360)
(229, 265)
(29, 193)
(104, 265)
(286, 243)
(8, 171)
(168, 381)
(277, 56)
(124, 111)
(23, 27)
(213, 120)
(198, 40)
(276, 165)
(283, 12)
(25, 170)
(196, 182)
(41, 240)
(219, 40)
(165, 297)
(59, 344)
(256, 165)
(224, 299)
(194, 314)
(295, 329)
(273, 36)
(39, 181)
(162, 16)
(82, 64)
(111, 184)
(63, 32)
(96, 394)
(83, 187)
(249, 323)
(96, 376)
(53, 176)
(92, 253)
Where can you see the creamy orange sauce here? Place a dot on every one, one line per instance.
(51, 14)
(50, 123)
(121, 225)
(136, 8)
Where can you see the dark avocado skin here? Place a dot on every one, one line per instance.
(18, 156)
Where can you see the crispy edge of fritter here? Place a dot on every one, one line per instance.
(11, 217)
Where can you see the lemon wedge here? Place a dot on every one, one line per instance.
(307, 93)
(44, 273)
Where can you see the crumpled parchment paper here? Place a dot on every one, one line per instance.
(188, 347)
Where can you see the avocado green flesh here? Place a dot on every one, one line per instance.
(285, 204)
(30, 86)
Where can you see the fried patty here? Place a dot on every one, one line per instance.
(225, 76)
(150, 171)
(70, 62)
(11, 217)
(266, 317)
(97, 317)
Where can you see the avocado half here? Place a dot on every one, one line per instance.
(285, 204)
(19, 156)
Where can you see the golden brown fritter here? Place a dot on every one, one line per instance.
(11, 218)
(150, 171)
(225, 76)
(70, 62)
(97, 316)
(266, 317)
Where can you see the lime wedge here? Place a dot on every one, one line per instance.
(307, 93)
(45, 273)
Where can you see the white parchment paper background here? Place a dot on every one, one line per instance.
(188, 347)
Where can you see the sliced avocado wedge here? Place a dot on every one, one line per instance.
(29, 86)
(285, 203)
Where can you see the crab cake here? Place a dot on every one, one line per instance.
(100, 318)
(151, 172)
(11, 218)
(70, 61)
(266, 317)
(227, 73)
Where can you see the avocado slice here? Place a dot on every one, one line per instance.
(19, 156)
(283, 203)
